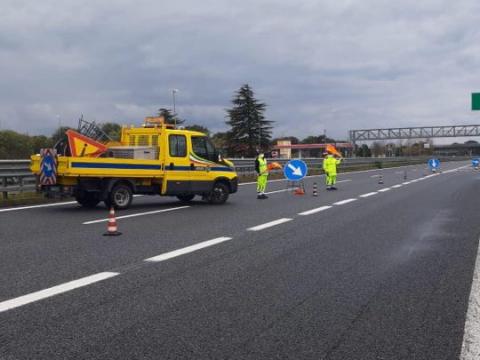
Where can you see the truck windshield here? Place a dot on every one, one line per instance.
(203, 147)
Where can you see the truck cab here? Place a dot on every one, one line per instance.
(154, 159)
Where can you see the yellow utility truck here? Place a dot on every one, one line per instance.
(154, 159)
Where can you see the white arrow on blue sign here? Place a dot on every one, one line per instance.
(434, 163)
(295, 170)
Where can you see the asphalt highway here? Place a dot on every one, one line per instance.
(370, 271)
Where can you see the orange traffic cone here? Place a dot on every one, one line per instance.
(299, 191)
(112, 229)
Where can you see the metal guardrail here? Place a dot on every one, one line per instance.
(15, 175)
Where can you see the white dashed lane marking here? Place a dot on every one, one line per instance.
(369, 194)
(314, 211)
(269, 224)
(43, 294)
(344, 202)
(137, 214)
(188, 249)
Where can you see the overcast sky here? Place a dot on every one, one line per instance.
(334, 65)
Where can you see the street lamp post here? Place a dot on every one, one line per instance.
(174, 91)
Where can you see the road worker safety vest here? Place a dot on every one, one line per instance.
(330, 165)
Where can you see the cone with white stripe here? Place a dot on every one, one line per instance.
(380, 179)
(112, 229)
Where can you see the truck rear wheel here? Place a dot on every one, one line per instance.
(185, 198)
(120, 197)
(87, 200)
(219, 194)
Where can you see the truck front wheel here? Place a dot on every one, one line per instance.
(120, 197)
(219, 194)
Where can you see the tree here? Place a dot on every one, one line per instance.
(113, 130)
(169, 116)
(220, 140)
(363, 151)
(249, 128)
(59, 134)
(198, 128)
(14, 145)
(321, 139)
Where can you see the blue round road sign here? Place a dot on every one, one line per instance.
(295, 170)
(434, 163)
(475, 162)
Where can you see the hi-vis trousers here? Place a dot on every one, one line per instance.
(262, 183)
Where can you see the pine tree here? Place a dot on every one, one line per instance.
(249, 128)
(169, 116)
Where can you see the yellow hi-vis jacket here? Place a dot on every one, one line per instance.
(330, 165)
(262, 165)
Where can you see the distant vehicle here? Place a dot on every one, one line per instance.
(155, 159)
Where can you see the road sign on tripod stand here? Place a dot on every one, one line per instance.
(295, 171)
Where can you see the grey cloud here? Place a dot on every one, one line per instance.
(331, 65)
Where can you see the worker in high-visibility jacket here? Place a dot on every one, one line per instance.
(330, 167)
(262, 175)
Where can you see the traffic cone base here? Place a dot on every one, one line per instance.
(299, 191)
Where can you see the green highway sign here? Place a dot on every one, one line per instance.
(475, 101)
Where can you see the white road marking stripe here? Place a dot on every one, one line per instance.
(278, 191)
(137, 214)
(314, 211)
(396, 186)
(344, 201)
(188, 249)
(369, 194)
(384, 189)
(406, 182)
(269, 224)
(471, 334)
(38, 206)
(43, 294)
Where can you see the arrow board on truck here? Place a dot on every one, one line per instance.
(81, 145)
(295, 170)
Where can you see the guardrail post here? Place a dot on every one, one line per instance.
(5, 193)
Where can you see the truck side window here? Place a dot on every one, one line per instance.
(178, 145)
(198, 146)
(202, 146)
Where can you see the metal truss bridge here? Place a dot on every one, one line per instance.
(414, 133)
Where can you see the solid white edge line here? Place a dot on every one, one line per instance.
(471, 333)
(188, 249)
(406, 182)
(397, 186)
(384, 189)
(344, 201)
(38, 206)
(369, 194)
(314, 211)
(55, 290)
(137, 214)
(269, 224)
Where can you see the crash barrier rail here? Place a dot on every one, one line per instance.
(247, 166)
(15, 175)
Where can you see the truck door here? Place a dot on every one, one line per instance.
(202, 160)
(177, 165)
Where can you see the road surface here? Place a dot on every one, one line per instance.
(370, 271)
